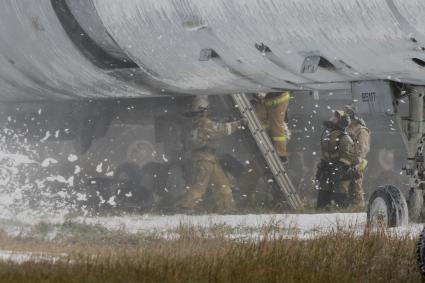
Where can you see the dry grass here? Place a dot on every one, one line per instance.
(200, 256)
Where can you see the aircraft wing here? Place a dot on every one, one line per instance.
(55, 49)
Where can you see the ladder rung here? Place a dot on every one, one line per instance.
(268, 150)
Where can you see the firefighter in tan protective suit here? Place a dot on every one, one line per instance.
(361, 136)
(337, 167)
(208, 173)
(271, 111)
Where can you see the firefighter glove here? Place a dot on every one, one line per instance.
(362, 165)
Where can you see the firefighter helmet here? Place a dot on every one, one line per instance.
(261, 95)
(352, 113)
(200, 104)
(342, 120)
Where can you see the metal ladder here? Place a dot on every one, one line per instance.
(267, 150)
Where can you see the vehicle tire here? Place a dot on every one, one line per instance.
(140, 152)
(150, 178)
(171, 184)
(149, 175)
(129, 172)
(387, 208)
(232, 165)
(415, 204)
(138, 194)
(420, 252)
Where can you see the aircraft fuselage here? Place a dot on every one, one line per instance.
(53, 49)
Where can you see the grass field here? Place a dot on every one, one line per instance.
(194, 254)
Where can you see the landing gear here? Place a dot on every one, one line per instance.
(420, 251)
(387, 205)
(415, 202)
(387, 208)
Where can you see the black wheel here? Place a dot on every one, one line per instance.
(135, 190)
(232, 165)
(420, 250)
(387, 208)
(171, 184)
(149, 175)
(128, 172)
(140, 152)
(415, 203)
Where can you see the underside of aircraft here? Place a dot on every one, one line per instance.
(72, 68)
(65, 49)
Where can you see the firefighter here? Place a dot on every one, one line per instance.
(209, 175)
(336, 169)
(361, 136)
(271, 111)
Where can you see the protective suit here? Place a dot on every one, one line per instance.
(361, 137)
(271, 111)
(208, 172)
(336, 169)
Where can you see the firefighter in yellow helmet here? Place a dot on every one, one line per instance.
(271, 111)
(208, 173)
(337, 167)
(361, 136)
